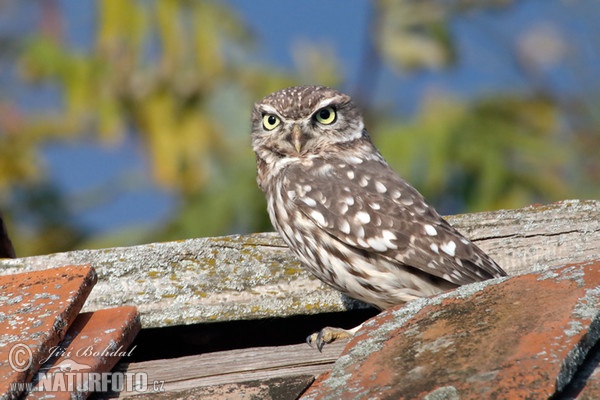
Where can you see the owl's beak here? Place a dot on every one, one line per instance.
(297, 137)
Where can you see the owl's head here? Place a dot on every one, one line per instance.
(305, 121)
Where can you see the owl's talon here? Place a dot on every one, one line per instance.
(328, 335)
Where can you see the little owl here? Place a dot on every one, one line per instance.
(345, 214)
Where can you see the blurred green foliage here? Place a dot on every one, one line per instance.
(498, 152)
(177, 74)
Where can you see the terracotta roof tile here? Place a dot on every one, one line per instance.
(522, 337)
(36, 308)
(94, 343)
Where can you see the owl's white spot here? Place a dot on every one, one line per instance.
(380, 187)
(376, 221)
(464, 241)
(280, 211)
(396, 194)
(288, 231)
(350, 174)
(342, 165)
(309, 201)
(362, 242)
(449, 248)
(456, 275)
(388, 236)
(325, 169)
(320, 196)
(350, 241)
(318, 217)
(363, 217)
(349, 201)
(434, 248)
(375, 206)
(299, 238)
(307, 188)
(430, 230)
(360, 232)
(377, 244)
(364, 181)
(354, 160)
(344, 226)
(343, 208)
(407, 201)
(291, 194)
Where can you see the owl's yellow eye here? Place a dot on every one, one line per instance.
(270, 122)
(326, 115)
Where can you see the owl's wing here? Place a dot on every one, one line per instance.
(369, 207)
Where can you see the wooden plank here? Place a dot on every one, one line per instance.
(289, 388)
(234, 366)
(538, 237)
(255, 276)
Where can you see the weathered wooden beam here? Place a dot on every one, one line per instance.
(255, 276)
(234, 367)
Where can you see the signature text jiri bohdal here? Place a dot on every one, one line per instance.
(89, 351)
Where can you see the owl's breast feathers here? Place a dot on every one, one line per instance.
(365, 205)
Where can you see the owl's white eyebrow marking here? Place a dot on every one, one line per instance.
(269, 109)
(430, 230)
(325, 102)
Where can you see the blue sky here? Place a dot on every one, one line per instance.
(278, 26)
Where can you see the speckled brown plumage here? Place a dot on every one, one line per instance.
(350, 219)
